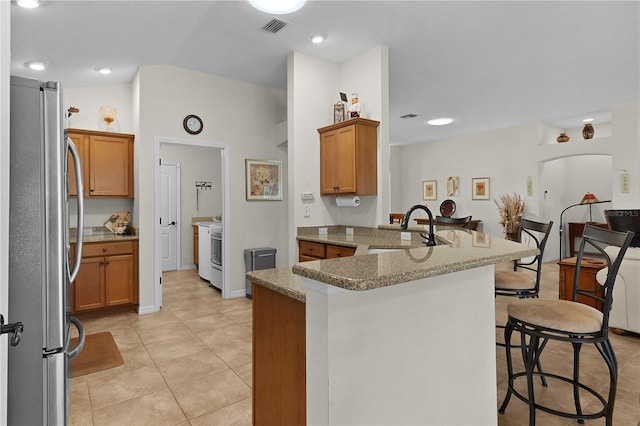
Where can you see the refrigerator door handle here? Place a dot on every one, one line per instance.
(80, 199)
(76, 351)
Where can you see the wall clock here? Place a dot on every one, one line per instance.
(192, 124)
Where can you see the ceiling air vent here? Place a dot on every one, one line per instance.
(408, 116)
(274, 25)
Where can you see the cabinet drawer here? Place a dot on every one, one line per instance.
(339, 251)
(107, 249)
(308, 248)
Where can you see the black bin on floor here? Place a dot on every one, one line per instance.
(256, 259)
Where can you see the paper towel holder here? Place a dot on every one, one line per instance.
(352, 201)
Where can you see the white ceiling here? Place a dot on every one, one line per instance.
(487, 64)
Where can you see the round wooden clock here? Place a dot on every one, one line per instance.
(192, 124)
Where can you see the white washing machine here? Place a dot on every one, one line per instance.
(204, 250)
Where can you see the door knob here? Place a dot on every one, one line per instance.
(173, 223)
(15, 329)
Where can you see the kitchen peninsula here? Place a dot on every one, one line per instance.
(404, 337)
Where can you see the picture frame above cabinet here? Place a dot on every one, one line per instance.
(107, 163)
(349, 158)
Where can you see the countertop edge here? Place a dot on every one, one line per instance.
(365, 284)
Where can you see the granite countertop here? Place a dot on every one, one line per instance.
(282, 280)
(458, 249)
(100, 234)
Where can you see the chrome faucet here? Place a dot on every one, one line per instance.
(430, 239)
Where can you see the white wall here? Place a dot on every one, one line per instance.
(244, 117)
(313, 87)
(89, 99)
(561, 173)
(197, 164)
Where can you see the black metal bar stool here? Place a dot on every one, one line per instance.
(520, 283)
(541, 320)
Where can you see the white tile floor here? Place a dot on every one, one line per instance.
(190, 364)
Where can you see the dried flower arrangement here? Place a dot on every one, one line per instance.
(511, 209)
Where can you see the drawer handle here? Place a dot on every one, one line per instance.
(104, 249)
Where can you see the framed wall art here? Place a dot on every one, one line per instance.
(453, 186)
(429, 190)
(480, 188)
(263, 180)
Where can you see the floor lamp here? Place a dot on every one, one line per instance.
(588, 200)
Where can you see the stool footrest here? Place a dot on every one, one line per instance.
(575, 416)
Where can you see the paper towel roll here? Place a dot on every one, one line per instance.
(348, 201)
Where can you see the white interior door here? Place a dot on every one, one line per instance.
(169, 216)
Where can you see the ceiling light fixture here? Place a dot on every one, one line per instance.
(104, 70)
(36, 65)
(440, 121)
(277, 7)
(317, 38)
(28, 4)
(587, 120)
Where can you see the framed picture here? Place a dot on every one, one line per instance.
(480, 188)
(480, 240)
(429, 190)
(453, 186)
(338, 112)
(263, 180)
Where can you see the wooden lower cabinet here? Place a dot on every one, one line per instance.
(587, 279)
(279, 359)
(108, 276)
(309, 250)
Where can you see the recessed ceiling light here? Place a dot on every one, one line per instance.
(277, 7)
(317, 38)
(36, 65)
(28, 4)
(104, 70)
(440, 121)
(587, 120)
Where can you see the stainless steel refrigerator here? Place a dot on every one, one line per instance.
(39, 376)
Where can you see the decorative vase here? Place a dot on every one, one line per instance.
(588, 131)
(513, 236)
(563, 138)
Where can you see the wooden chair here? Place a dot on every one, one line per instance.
(541, 320)
(454, 221)
(395, 217)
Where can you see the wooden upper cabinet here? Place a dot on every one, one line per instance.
(349, 158)
(107, 160)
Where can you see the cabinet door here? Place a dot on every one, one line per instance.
(78, 141)
(346, 159)
(328, 162)
(119, 280)
(109, 166)
(337, 161)
(89, 285)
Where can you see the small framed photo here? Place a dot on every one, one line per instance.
(263, 180)
(338, 112)
(480, 188)
(429, 190)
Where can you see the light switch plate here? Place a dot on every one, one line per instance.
(349, 231)
(323, 231)
(405, 236)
